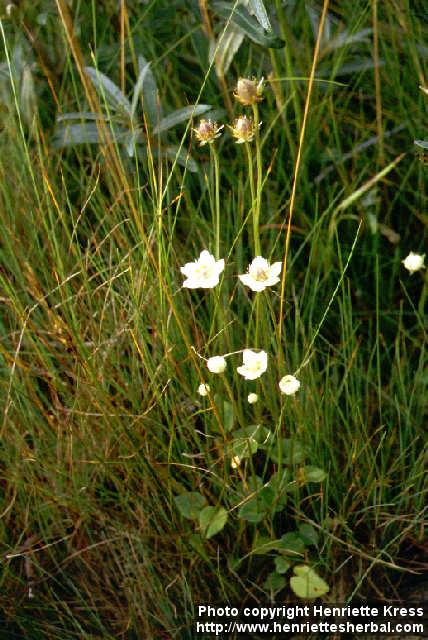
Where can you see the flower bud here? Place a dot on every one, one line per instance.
(203, 389)
(253, 398)
(414, 262)
(289, 385)
(248, 92)
(216, 364)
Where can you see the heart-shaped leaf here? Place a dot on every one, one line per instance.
(212, 520)
(307, 584)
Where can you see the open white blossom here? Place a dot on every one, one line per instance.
(414, 262)
(203, 389)
(204, 273)
(216, 364)
(253, 398)
(289, 385)
(261, 274)
(254, 364)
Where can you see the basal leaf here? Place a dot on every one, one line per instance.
(190, 504)
(247, 24)
(212, 520)
(258, 9)
(181, 115)
(108, 90)
(151, 104)
(307, 584)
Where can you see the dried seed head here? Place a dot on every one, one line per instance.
(207, 132)
(248, 92)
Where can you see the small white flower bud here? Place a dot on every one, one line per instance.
(414, 262)
(253, 398)
(216, 364)
(289, 385)
(203, 389)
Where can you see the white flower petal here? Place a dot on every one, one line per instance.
(203, 273)
(258, 264)
(276, 268)
(253, 284)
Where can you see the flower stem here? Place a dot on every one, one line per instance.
(214, 157)
(256, 212)
(253, 197)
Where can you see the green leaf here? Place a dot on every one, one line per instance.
(138, 87)
(274, 582)
(181, 115)
(242, 447)
(190, 504)
(148, 88)
(421, 143)
(212, 520)
(264, 545)
(80, 115)
(282, 565)
(225, 48)
(260, 434)
(292, 543)
(228, 417)
(248, 24)
(181, 156)
(280, 483)
(291, 452)
(308, 534)
(108, 90)
(311, 474)
(258, 9)
(307, 584)
(255, 509)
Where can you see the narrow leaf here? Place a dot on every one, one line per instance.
(138, 88)
(181, 115)
(258, 9)
(108, 90)
(421, 143)
(225, 48)
(80, 115)
(248, 25)
(151, 104)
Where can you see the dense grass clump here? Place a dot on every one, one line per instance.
(128, 498)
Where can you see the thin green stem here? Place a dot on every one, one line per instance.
(215, 161)
(256, 211)
(253, 191)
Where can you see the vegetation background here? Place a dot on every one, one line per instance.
(101, 425)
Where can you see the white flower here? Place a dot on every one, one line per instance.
(261, 274)
(236, 461)
(216, 364)
(203, 273)
(254, 364)
(253, 398)
(289, 385)
(414, 262)
(203, 389)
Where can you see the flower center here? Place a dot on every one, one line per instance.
(204, 272)
(261, 275)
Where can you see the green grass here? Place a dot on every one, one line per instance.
(101, 424)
